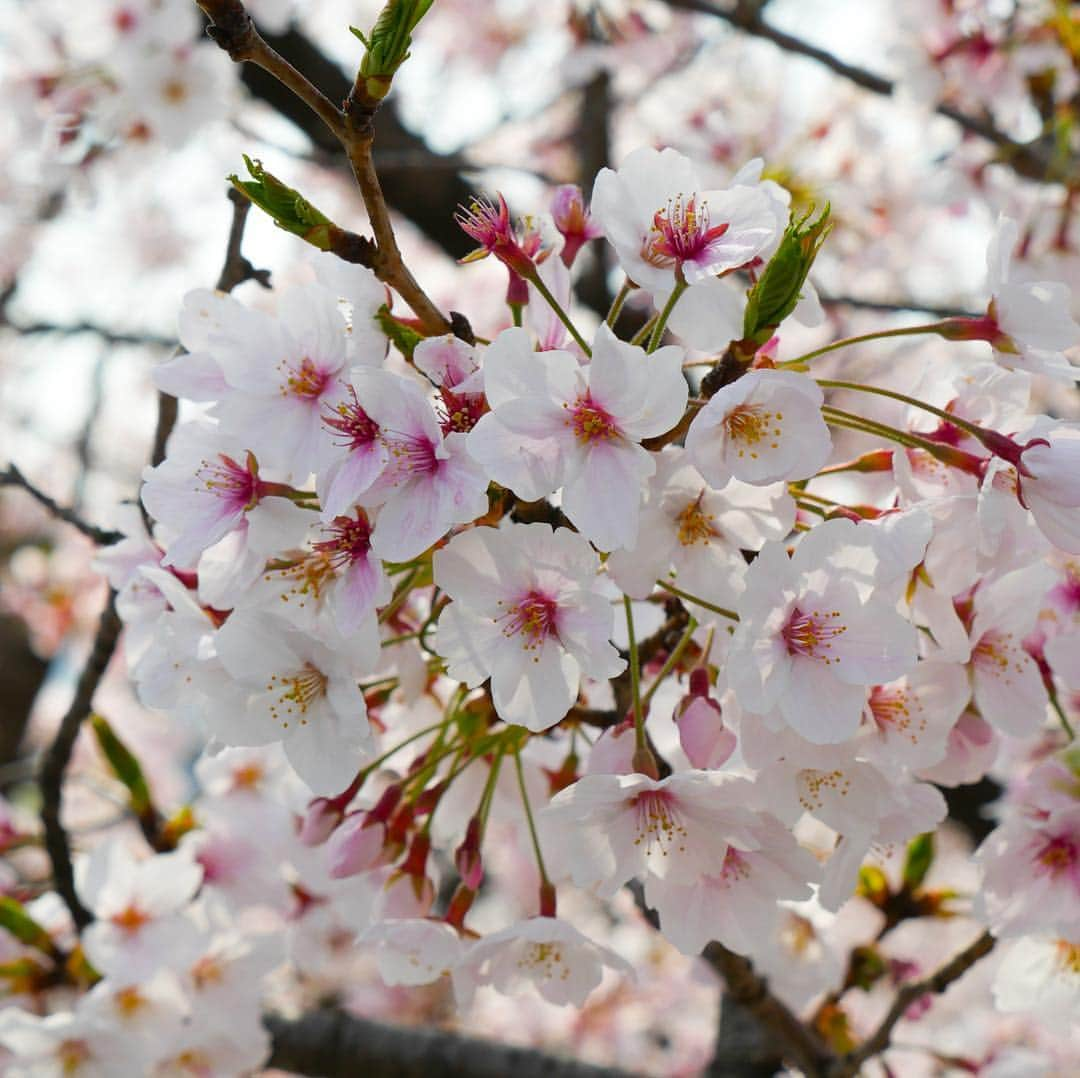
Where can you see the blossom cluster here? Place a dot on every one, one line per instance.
(719, 636)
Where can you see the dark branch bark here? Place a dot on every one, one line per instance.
(12, 477)
(426, 190)
(749, 989)
(51, 778)
(332, 1044)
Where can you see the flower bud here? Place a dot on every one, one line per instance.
(705, 739)
(356, 846)
(572, 220)
(319, 822)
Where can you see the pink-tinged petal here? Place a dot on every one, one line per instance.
(327, 755)
(604, 500)
(522, 447)
(363, 588)
(194, 376)
(538, 689)
(1008, 686)
(469, 643)
(818, 706)
(468, 570)
(342, 483)
(512, 370)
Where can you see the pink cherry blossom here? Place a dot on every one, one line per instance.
(528, 613)
(555, 424)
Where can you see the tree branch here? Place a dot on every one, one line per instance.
(936, 983)
(798, 1043)
(1030, 160)
(332, 1044)
(353, 126)
(12, 477)
(51, 777)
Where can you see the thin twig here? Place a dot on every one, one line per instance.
(12, 477)
(354, 126)
(76, 329)
(936, 983)
(51, 776)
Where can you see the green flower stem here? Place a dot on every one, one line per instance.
(669, 664)
(617, 303)
(723, 612)
(563, 317)
(844, 342)
(527, 806)
(635, 679)
(661, 323)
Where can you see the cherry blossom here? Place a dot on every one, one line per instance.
(763, 427)
(555, 424)
(528, 613)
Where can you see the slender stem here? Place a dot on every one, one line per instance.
(642, 334)
(401, 594)
(811, 507)
(1055, 703)
(617, 303)
(14, 478)
(635, 678)
(722, 611)
(380, 760)
(515, 313)
(844, 342)
(957, 421)
(527, 806)
(563, 317)
(945, 453)
(672, 659)
(661, 322)
(937, 982)
(489, 787)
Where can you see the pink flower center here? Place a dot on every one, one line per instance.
(590, 422)
(412, 454)
(694, 524)
(811, 635)
(749, 425)
(130, 919)
(658, 823)
(351, 421)
(348, 539)
(534, 618)
(736, 867)
(1060, 856)
(237, 486)
(459, 411)
(681, 233)
(895, 711)
(306, 380)
(296, 693)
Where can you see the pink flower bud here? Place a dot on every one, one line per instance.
(319, 822)
(705, 739)
(356, 846)
(572, 220)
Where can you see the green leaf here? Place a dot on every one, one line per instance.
(403, 337)
(387, 46)
(124, 765)
(920, 856)
(23, 927)
(873, 886)
(289, 209)
(779, 288)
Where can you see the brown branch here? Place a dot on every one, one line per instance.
(354, 127)
(332, 1044)
(12, 477)
(51, 777)
(798, 1043)
(235, 270)
(936, 983)
(109, 336)
(1031, 160)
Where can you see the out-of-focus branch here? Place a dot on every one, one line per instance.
(333, 1044)
(1031, 160)
(12, 477)
(896, 305)
(936, 983)
(75, 329)
(795, 1040)
(235, 270)
(54, 765)
(353, 126)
